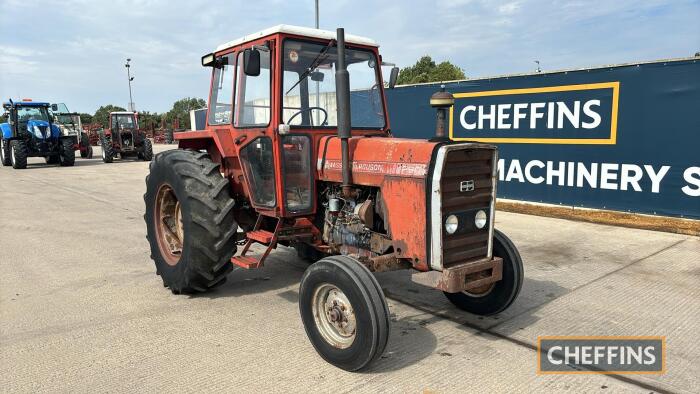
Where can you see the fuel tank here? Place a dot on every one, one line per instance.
(399, 168)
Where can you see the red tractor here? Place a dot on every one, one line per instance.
(124, 138)
(297, 152)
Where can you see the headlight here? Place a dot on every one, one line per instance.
(451, 224)
(480, 219)
(37, 132)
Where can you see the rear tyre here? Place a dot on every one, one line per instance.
(85, 150)
(66, 154)
(147, 154)
(5, 152)
(107, 151)
(18, 154)
(499, 297)
(344, 312)
(189, 221)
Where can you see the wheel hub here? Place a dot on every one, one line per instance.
(168, 221)
(334, 316)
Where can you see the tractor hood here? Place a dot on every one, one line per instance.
(374, 159)
(42, 129)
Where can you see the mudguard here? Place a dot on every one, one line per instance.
(6, 130)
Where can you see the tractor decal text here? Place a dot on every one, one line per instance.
(415, 170)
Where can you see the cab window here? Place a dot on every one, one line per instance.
(221, 99)
(253, 95)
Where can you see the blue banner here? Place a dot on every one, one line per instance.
(623, 138)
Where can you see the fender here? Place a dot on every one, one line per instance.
(223, 139)
(6, 131)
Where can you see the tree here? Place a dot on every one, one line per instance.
(425, 70)
(181, 111)
(149, 120)
(102, 114)
(85, 118)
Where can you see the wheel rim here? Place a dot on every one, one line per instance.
(103, 152)
(334, 316)
(168, 221)
(13, 157)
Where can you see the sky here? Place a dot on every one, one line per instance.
(74, 51)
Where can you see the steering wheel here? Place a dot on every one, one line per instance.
(325, 114)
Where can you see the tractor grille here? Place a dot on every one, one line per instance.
(467, 187)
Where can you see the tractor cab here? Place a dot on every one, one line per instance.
(30, 131)
(274, 96)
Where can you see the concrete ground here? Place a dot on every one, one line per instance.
(81, 309)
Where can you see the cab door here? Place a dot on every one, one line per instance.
(253, 127)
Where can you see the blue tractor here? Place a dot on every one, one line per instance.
(30, 132)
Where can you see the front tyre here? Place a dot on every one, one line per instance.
(18, 154)
(66, 154)
(344, 312)
(5, 152)
(189, 221)
(147, 154)
(502, 293)
(107, 150)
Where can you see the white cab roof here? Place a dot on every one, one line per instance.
(121, 113)
(300, 31)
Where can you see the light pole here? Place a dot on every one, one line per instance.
(539, 70)
(128, 74)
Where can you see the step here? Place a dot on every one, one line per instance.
(261, 236)
(247, 262)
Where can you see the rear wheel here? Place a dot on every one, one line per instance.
(5, 152)
(107, 151)
(85, 148)
(497, 297)
(18, 154)
(189, 221)
(344, 312)
(66, 154)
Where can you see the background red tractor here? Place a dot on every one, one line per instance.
(124, 138)
(297, 152)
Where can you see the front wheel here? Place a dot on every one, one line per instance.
(147, 153)
(500, 295)
(190, 222)
(107, 151)
(5, 152)
(344, 312)
(18, 154)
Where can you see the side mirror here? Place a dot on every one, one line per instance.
(251, 62)
(393, 77)
(54, 107)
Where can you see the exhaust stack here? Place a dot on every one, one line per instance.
(342, 97)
